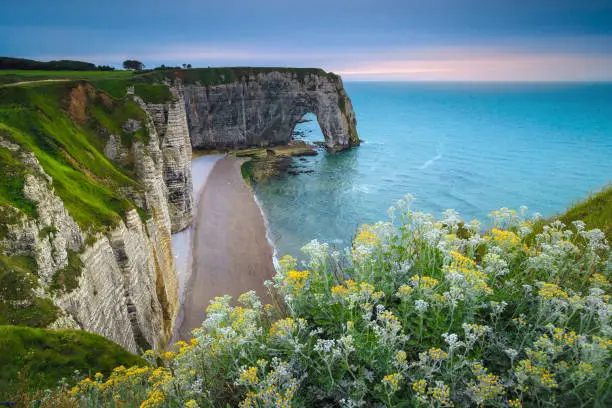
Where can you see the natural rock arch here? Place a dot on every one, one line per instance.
(263, 106)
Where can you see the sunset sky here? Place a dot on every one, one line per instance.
(449, 40)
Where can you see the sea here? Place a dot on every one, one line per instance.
(472, 147)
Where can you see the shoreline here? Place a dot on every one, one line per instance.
(228, 253)
(182, 241)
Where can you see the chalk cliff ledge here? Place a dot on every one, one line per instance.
(261, 106)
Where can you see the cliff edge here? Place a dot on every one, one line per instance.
(97, 176)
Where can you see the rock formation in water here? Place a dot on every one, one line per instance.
(94, 187)
(262, 106)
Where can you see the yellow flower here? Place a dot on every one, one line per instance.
(516, 403)
(283, 328)
(392, 381)
(248, 376)
(599, 280)
(296, 281)
(420, 387)
(550, 291)
(191, 404)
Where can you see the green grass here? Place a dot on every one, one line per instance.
(19, 304)
(67, 278)
(35, 117)
(595, 211)
(46, 356)
(12, 76)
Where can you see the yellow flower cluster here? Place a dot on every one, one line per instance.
(487, 388)
(462, 261)
(283, 328)
(467, 268)
(155, 400)
(366, 236)
(585, 370)
(567, 338)
(354, 292)
(515, 403)
(550, 291)
(392, 381)
(599, 280)
(287, 263)
(604, 344)
(505, 239)
(420, 387)
(248, 376)
(424, 282)
(404, 291)
(440, 393)
(437, 354)
(540, 374)
(296, 281)
(401, 358)
(191, 404)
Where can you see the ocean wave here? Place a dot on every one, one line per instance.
(268, 232)
(431, 161)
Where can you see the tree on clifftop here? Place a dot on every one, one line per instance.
(133, 64)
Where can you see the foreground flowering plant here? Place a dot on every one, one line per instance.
(418, 312)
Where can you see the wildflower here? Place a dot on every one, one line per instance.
(487, 388)
(283, 328)
(515, 403)
(440, 394)
(550, 291)
(400, 359)
(424, 283)
(599, 280)
(191, 404)
(295, 281)
(248, 376)
(403, 292)
(392, 381)
(421, 306)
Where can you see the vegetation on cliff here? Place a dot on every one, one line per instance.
(35, 358)
(418, 312)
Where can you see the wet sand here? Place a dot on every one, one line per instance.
(231, 254)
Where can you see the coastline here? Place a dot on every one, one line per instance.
(231, 248)
(182, 242)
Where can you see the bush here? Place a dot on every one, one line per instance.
(418, 312)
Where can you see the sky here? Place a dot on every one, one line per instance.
(362, 40)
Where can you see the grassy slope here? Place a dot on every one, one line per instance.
(595, 211)
(12, 76)
(36, 118)
(46, 356)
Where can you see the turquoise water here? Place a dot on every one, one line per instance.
(471, 147)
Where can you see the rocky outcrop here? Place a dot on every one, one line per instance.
(170, 122)
(263, 106)
(127, 286)
(121, 282)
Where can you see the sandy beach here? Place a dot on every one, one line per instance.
(230, 251)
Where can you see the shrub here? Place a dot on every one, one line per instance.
(418, 312)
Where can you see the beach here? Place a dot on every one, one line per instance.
(230, 253)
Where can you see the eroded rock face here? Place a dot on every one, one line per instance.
(264, 108)
(170, 122)
(127, 288)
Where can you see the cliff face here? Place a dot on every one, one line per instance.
(120, 281)
(262, 107)
(94, 186)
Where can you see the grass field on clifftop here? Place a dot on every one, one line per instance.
(42, 357)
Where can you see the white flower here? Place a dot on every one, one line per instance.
(421, 305)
